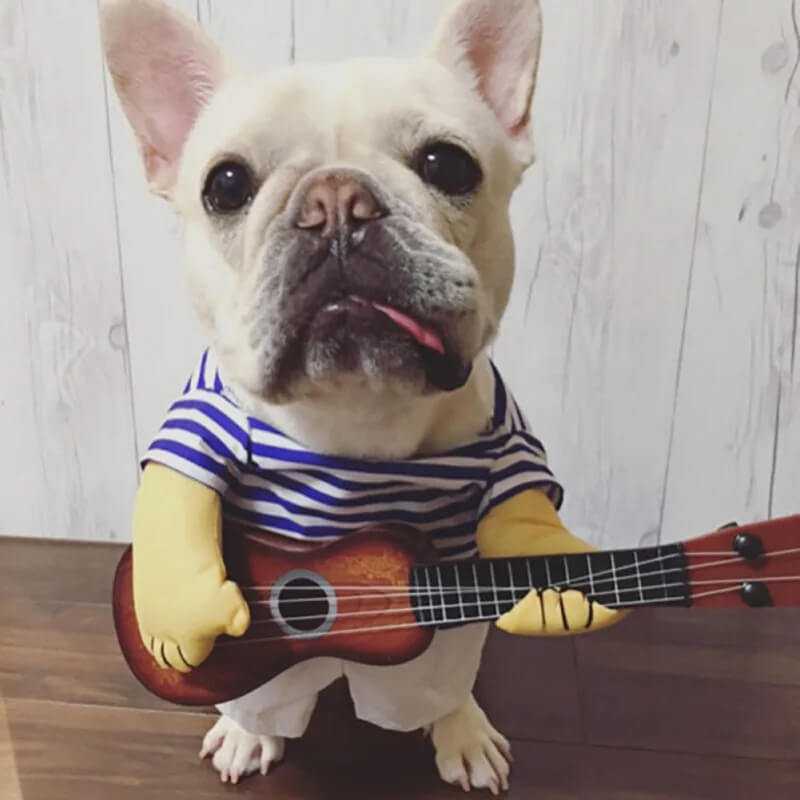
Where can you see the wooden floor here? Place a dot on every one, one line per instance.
(678, 704)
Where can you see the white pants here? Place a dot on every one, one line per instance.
(404, 697)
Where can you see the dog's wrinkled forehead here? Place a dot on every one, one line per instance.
(351, 111)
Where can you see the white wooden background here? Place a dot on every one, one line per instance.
(653, 333)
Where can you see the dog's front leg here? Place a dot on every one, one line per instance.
(237, 753)
(249, 737)
(469, 751)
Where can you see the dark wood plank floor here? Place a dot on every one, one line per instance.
(670, 704)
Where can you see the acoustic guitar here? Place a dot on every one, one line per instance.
(377, 596)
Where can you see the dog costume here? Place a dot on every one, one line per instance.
(492, 496)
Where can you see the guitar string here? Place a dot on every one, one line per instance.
(734, 588)
(416, 591)
(595, 575)
(625, 571)
(401, 626)
(615, 571)
(405, 610)
(508, 590)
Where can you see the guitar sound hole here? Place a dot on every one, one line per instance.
(303, 604)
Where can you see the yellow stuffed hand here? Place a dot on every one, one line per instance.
(182, 598)
(528, 525)
(555, 613)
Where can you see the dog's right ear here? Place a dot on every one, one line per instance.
(165, 69)
(494, 46)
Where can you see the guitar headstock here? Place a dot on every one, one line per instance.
(746, 565)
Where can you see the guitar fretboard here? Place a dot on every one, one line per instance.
(452, 593)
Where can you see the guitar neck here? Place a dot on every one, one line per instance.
(453, 593)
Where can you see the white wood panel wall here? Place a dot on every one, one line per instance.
(653, 332)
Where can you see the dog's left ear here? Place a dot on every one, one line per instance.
(494, 46)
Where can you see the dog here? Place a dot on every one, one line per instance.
(349, 252)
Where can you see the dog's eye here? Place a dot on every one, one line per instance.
(229, 188)
(449, 168)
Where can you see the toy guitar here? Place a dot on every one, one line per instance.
(376, 596)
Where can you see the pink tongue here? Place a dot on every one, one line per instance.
(425, 336)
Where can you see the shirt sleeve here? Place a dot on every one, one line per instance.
(520, 461)
(205, 437)
(520, 465)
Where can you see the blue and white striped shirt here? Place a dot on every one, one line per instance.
(268, 480)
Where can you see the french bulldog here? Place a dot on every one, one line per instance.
(349, 252)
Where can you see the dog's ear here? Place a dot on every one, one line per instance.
(165, 70)
(494, 46)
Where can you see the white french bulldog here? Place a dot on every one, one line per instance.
(348, 248)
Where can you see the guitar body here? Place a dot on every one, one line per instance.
(295, 613)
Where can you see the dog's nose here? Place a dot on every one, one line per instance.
(337, 204)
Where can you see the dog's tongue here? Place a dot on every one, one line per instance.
(424, 336)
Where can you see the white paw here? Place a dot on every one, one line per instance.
(237, 753)
(469, 751)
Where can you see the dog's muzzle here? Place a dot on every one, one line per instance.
(340, 212)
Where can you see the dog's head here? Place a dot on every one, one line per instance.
(344, 222)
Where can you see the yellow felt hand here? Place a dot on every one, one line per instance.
(555, 613)
(528, 525)
(182, 598)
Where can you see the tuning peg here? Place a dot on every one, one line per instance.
(755, 594)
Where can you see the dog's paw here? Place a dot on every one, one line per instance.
(469, 751)
(237, 753)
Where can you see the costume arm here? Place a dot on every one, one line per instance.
(529, 525)
(182, 598)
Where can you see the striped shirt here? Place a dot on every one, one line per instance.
(268, 480)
